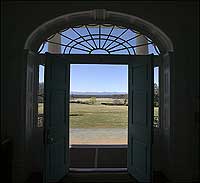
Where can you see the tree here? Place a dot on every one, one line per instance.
(92, 100)
(41, 93)
(156, 95)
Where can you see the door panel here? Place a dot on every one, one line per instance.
(140, 119)
(166, 108)
(56, 118)
(31, 105)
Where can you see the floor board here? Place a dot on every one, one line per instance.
(122, 177)
(98, 177)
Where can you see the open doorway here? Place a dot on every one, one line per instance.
(56, 112)
(82, 42)
(84, 103)
(98, 117)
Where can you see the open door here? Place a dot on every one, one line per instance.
(140, 118)
(31, 105)
(166, 96)
(56, 121)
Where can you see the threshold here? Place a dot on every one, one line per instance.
(98, 169)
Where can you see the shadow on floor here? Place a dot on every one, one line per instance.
(97, 177)
(122, 177)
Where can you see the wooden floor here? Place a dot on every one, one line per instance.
(97, 177)
(121, 177)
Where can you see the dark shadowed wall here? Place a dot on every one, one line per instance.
(179, 20)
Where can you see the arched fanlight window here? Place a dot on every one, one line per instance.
(99, 39)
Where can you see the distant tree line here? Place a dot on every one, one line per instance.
(41, 93)
(115, 97)
(156, 95)
(120, 96)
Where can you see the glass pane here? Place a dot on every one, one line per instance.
(41, 97)
(108, 37)
(156, 122)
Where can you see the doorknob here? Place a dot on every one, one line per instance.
(50, 140)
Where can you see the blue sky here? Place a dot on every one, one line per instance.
(98, 78)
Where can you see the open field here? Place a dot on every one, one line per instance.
(98, 101)
(97, 115)
(96, 123)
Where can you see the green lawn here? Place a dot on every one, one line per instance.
(156, 111)
(40, 108)
(97, 115)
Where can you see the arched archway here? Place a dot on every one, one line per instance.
(45, 30)
(100, 17)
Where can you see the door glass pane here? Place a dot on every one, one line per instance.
(156, 122)
(41, 97)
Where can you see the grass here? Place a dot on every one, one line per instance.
(40, 108)
(97, 115)
(156, 110)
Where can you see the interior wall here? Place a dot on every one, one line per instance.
(179, 20)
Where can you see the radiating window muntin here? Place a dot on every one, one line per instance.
(99, 39)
